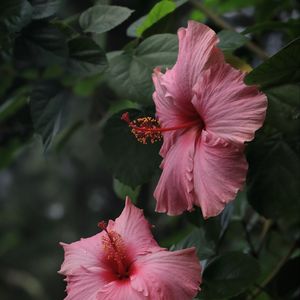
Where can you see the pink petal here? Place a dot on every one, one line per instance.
(85, 253)
(168, 275)
(197, 51)
(229, 108)
(219, 172)
(174, 192)
(120, 290)
(84, 285)
(135, 230)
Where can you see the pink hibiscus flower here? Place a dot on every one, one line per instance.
(124, 262)
(206, 113)
(203, 162)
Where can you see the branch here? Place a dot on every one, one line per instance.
(225, 25)
(274, 272)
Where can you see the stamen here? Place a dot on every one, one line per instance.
(148, 128)
(144, 129)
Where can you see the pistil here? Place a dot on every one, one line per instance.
(115, 249)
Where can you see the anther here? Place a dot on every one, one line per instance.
(145, 129)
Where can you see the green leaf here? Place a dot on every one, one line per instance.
(86, 86)
(273, 183)
(15, 14)
(158, 14)
(228, 275)
(122, 190)
(13, 104)
(132, 29)
(130, 72)
(285, 285)
(41, 45)
(230, 40)
(61, 139)
(281, 68)
(284, 108)
(45, 8)
(122, 105)
(131, 162)
(86, 57)
(197, 239)
(160, 10)
(291, 27)
(102, 18)
(47, 103)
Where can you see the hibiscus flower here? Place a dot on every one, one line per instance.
(124, 262)
(215, 113)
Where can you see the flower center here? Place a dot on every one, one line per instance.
(148, 129)
(115, 250)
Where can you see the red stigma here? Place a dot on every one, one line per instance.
(102, 225)
(125, 117)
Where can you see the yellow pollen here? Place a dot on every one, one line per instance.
(146, 129)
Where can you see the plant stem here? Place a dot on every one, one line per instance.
(225, 25)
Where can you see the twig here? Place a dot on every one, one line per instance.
(274, 272)
(225, 25)
(266, 227)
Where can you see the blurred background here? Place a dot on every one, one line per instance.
(57, 189)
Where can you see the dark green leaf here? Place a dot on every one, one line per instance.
(281, 68)
(284, 108)
(273, 188)
(131, 162)
(160, 10)
(230, 40)
(8, 75)
(48, 102)
(13, 104)
(44, 8)
(285, 285)
(130, 72)
(212, 226)
(41, 44)
(15, 14)
(197, 239)
(86, 57)
(102, 18)
(228, 275)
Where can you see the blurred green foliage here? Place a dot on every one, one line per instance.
(68, 71)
